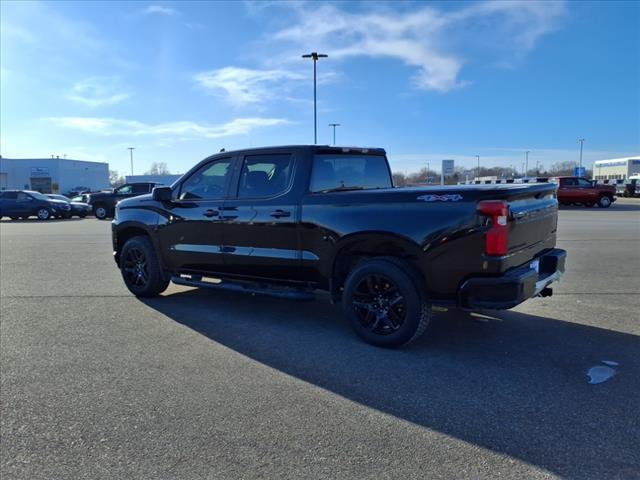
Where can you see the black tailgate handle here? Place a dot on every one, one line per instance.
(211, 213)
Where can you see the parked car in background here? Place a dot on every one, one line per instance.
(78, 209)
(103, 203)
(580, 191)
(17, 204)
(284, 221)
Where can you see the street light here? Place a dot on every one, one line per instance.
(478, 157)
(526, 162)
(581, 140)
(315, 56)
(131, 149)
(334, 125)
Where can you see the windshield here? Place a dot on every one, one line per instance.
(349, 172)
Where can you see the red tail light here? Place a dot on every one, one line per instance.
(497, 238)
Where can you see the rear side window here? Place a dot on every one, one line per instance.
(208, 182)
(332, 172)
(142, 188)
(10, 195)
(264, 175)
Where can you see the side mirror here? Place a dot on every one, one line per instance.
(162, 194)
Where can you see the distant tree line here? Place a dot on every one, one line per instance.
(424, 176)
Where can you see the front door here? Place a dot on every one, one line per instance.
(191, 237)
(260, 216)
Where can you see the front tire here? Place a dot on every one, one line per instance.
(100, 211)
(385, 303)
(604, 202)
(43, 214)
(141, 269)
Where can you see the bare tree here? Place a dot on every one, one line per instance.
(158, 168)
(115, 179)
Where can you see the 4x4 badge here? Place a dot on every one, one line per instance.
(440, 198)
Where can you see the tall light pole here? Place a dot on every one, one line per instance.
(315, 56)
(334, 125)
(581, 140)
(526, 162)
(478, 157)
(131, 149)
(428, 165)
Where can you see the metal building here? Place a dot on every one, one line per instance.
(167, 179)
(616, 168)
(52, 175)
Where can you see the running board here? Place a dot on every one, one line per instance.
(242, 287)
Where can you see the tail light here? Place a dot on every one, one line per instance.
(497, 238)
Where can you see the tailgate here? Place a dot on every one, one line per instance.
(532, 223)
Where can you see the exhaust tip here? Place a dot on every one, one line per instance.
(546, 292)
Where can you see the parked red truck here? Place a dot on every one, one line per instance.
(580, 191)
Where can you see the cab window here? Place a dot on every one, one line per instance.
(208, 182)
(335, 172)
(143, 188)
(124, 190)
(264, 175)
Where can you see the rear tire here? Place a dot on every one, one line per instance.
(604, 202)
(141, 269)
(385, 303)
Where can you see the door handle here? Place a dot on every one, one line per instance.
(280, 213)
(211, 213)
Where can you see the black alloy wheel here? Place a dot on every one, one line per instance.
(384, 298)
(134, 268)
(379, 304)
(141, 269)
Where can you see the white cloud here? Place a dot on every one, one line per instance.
(428, 39)
(183, 129)
(243, 86)
(159, 10)
(97, 92)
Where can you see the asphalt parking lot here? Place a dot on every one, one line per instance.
(196, 384)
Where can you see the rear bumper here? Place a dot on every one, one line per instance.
(515, 286)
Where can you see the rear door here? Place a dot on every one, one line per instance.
(569, 191)
(260, 218)
(191, 237)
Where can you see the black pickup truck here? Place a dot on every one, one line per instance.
(285, 221)
(103, 204)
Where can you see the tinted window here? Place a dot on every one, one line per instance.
(124, 190)
(584, 183)
(143, 188)
(23, 197)
(568, 182)
(207, 182)
(264, 175)
(10, 195)
(349, 171)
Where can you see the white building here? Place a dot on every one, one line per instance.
(52, 175)
(616, 168)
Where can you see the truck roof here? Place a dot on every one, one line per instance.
(314, 148)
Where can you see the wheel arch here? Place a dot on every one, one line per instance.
(127, 230)
(363, 246)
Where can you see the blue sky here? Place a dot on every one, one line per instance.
(427, 81)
